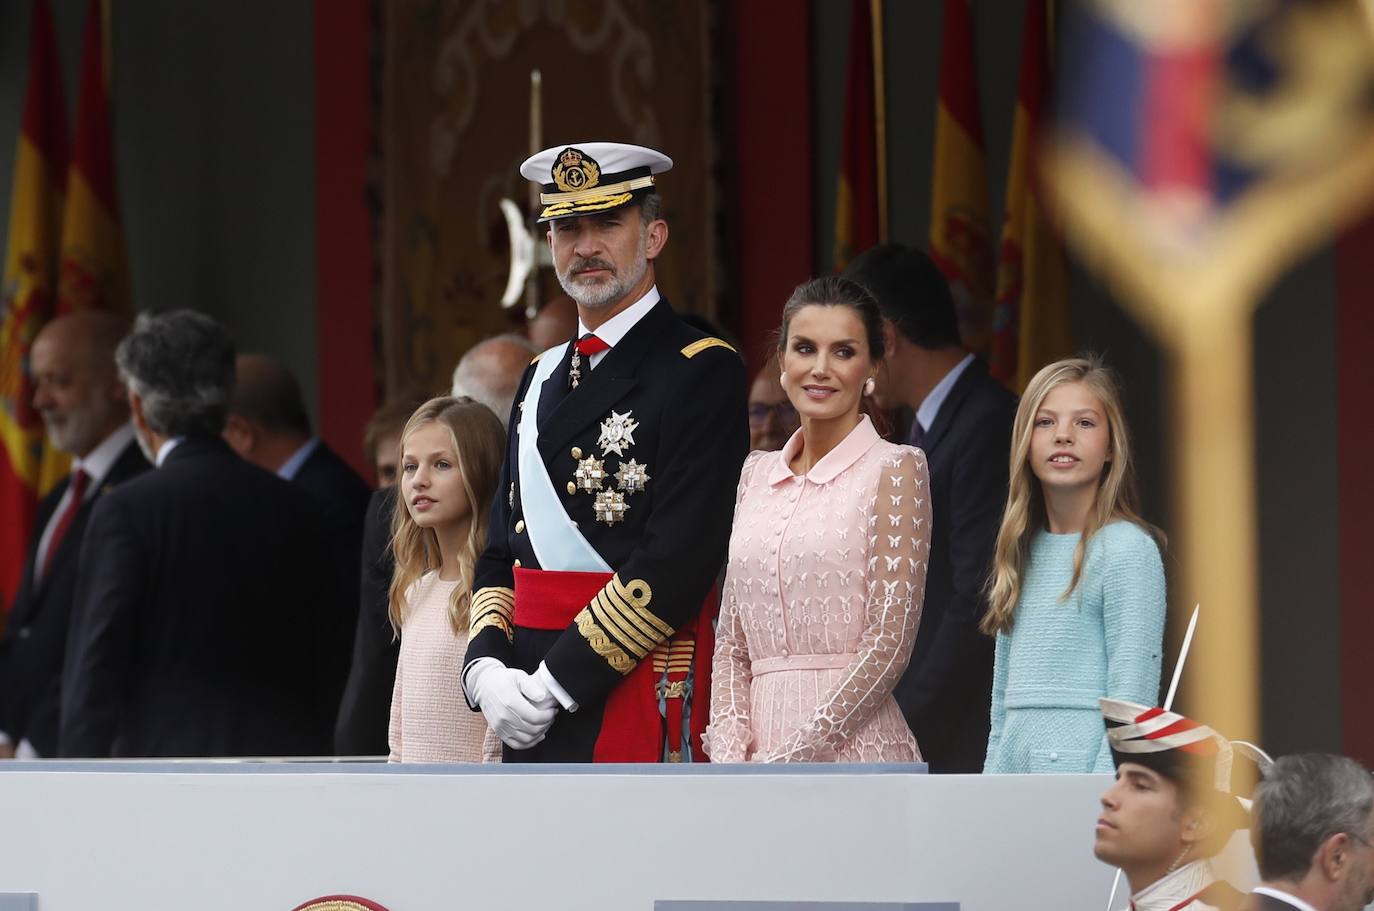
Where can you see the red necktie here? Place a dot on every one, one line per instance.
(80, 481)
(589, 344)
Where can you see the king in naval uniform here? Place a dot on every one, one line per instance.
(1172, 808)
(588, 637)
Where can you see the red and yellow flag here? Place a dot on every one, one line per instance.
(28, 293)
(94, 272)
(1030, 323)
(856, 198)
(960, 239)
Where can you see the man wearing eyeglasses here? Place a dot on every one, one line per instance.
(772, 419)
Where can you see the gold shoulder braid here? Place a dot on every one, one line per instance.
(701, 345)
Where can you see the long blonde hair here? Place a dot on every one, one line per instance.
(479, 442)
(1025, 512)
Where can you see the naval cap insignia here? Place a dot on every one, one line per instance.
(617, 433)
(575, 171)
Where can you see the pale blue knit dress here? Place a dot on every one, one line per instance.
(1106, 639)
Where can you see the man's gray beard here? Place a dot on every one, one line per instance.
(594, 297)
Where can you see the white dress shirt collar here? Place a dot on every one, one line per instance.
(618, 326)
(98, 462)
(1284, 897)
(166, 449)
(930, 405)
(291, 466)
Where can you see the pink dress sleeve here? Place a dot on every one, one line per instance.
(727, 737)
(895, 584)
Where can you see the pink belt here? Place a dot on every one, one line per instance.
(799, 663)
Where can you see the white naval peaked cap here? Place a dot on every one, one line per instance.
(590, 177)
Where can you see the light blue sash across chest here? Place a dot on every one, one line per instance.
(555, 537)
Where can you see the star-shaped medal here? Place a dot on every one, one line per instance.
(590, 472)
(610, 507)
(632, 477)
(617, 433)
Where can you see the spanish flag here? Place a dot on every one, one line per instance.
(94, 272)
(856, 198)
(27, 296)
(960, 237)
(1030, 323)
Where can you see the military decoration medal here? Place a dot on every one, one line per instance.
(617, 433)
(631, 477)
(610, 507)
(575, 370)
(590, 472)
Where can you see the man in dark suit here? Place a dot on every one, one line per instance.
(269, 426)
(963, 424)
(1313, 835)
(613, 512)
(203, 584)
(85, 411)
(489, 372)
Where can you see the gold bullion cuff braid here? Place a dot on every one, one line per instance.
(492, 607)
(618, 625)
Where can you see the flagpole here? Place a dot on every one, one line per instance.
(880, 115)
(536, 143)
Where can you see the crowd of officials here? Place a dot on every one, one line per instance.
(605, 544)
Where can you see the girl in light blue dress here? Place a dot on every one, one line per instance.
(1076, 598)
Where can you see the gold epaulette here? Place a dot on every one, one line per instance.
(701, 345)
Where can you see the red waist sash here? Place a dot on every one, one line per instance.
(632, 730)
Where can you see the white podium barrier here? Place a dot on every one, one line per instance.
(161, 836)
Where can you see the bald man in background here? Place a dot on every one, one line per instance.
(554, 324)
(268, 425)
(85, 411)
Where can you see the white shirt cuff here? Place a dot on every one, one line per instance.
(544, 677)
(25, 750)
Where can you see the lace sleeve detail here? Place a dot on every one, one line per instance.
(896, 579)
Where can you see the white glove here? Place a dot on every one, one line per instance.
(510, 714)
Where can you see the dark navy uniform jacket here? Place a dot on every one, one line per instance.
(685, 393)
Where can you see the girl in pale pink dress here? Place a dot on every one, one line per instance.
(827, 561)
(450, 462)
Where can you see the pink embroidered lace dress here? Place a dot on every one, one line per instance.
(822, 599)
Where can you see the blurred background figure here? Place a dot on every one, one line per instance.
(489, 373)
(203, 585)
(1314, 835)
(491, 370)
(962, 423)
(382, 436)
(85, 410)
(772, 419)
(269, 426)
(554, 324)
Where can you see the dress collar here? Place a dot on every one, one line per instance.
(856, 443)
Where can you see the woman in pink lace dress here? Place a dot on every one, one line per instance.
(827, 559)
